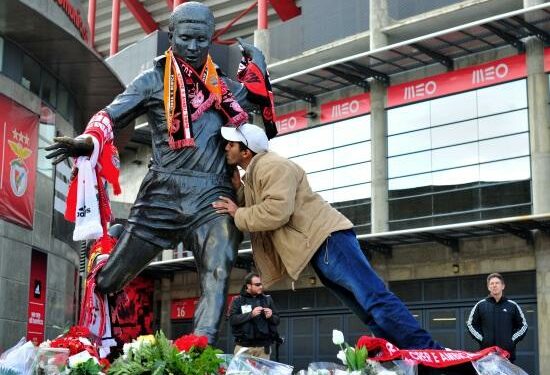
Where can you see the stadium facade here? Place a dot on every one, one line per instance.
(425, 122)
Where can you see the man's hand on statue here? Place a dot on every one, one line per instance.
(66, 146)
(253, 52)
(225, 206)
(268, 312)
(257, 311)
(236, 179)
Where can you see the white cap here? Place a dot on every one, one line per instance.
(251, 136)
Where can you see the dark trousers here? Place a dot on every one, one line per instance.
(345, 270)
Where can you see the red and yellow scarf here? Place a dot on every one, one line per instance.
(187, 95)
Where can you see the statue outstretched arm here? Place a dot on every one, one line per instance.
(119, 113)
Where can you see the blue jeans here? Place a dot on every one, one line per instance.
(343, 268)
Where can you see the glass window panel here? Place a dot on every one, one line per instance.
(352, 154)
(411, 223)
(302, 299)
(321, 180)
(325, 298)
(316, 161)
(407, 291)
(351, 175)
(31, 75)
(409, 142)
(501, 98)
(446, 319)
(46, 133)
(453, 108)
(421, 183)
(410, 207)
(506, 194)
(63, 101)
(520, 284)
(453, 134)
(440, 289)
(505, 123)
(351, 131)
(456, 176)
(315, 139)
(473, 287)
(455, 156)
(287, 145)
(49, 85)
(456, 201)
(507, 170)
(505, 147)
(495, 213)
(409, 164)
(352, 193)
(457, 218)
(409, 117)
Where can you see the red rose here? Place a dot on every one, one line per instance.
(105, 364)
(78, 331)
(186, 342)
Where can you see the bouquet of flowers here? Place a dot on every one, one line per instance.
(188, 355)
(354, 358)
(70, 353)
(357, 362)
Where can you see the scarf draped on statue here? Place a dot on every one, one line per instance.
(87, 200)
(188, 94)
(259, 92)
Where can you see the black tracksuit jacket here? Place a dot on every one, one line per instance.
(499, 323)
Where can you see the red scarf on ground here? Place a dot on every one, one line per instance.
(382, 350)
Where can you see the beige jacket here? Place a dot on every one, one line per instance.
(287, 221)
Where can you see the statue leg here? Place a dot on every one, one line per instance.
(129, 257)
(214, 245)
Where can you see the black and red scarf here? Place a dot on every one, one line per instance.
(187, 95)
(259, 92)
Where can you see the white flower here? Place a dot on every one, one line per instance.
(126, 348)
(342, 357)
(45, 344)
(81, 357)
(337, 337)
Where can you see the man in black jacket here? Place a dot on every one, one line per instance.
(497, 320)
(254, 318)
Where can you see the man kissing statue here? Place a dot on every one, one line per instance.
(187, 101)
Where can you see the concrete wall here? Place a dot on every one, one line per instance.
(16, 244)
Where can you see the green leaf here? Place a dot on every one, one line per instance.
(350, 359)
(361, 357)
(90, 367)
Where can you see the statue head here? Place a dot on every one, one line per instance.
(191, 28)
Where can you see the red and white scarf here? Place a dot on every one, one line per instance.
(87, 201)
(187, 95)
